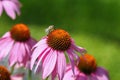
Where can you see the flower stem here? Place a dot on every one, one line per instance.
(46, 78)
(29, 75)
(12, 69)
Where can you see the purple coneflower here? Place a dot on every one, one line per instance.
(11, 7)
(50, 51)
(5, 74)
(86, 70)
(17, 43)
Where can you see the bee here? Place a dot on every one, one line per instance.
(49, 29)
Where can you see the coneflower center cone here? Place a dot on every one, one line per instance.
(20, 32)
(59, 40)
(87, 64)
(4, 73)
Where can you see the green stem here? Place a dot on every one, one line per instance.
(29, 75)
(12, 69)
(46, 78)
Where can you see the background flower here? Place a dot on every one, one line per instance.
(11, 7)
(86, 70)
(6, 75)
(17, 43)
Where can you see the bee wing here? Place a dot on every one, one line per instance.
(49, 29)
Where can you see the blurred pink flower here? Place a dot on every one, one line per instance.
(11, 7)
(5, 74)
(86, 70)
(17, 77)
(17, 43)
(50, 53)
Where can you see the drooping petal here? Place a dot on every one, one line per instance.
(82, 76)
(78, 48)
(41, 57)
(101, 70)
(17, 3)
(77, 58)
(27, 55)
(14, 53)
(54, 73)
(16, 7)
(92, 77)
(4, 42)
(61, 65)
(69, 73)
(1, 8)
(31, 42)
(101, 74)
(41, 42)
(71, 58)
(75, 55)
(5, 47)
(8, 6)
(7, 34)
(21, 54)
(49, 63)
(37, 52)
(28, 49)
(103, 77)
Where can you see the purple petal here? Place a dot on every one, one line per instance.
(25, 55)
(92, 77)
(101, 74)
(16, 6)
(31, 42)
(21, 53)
(37, 52)
(76, 57)
(78, 48)
(69, 73)
(82, 76)
(28, 55)
(101, 70)
(17, 9)
(1, 8)
(69, 76)
(5, 47)
(28, 49)
(41, 42)
(15, 54)
(17, 3)
(71, 58)
(54, 73)
(8, 6)
(61, 64)
(41, 57)
(103, 77)
(49, 64)
(7, 34)
(4, 42)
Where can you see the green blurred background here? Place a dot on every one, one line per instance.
(94, 25)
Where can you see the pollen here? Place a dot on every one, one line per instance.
(87, 64)
(20, 32)
(4, 73)
(59, 40)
